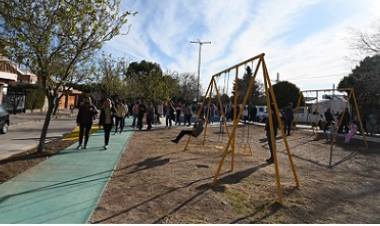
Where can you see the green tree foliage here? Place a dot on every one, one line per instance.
(35, 98)
(186, 87)
(286, 92)
(241, 86)
(146, 80)
(55, 36)
(365, 79)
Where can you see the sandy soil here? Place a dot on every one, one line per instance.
(157, 182)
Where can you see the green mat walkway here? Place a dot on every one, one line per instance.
(65, 188)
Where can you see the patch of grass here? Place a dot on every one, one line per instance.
(239, 200)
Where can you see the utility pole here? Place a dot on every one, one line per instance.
(200, 43)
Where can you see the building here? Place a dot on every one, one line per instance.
(69, 98)
(11, 74)
(8, 75)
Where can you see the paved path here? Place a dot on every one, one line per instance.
(23, 137)
(63, 189)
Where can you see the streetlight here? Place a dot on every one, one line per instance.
(199, 63)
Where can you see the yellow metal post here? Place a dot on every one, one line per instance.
(235, 124)
(359, 118)
(223, 114)
(271, 132)
(208, 112)
(281, 126)
(198, 114)
(236, 120)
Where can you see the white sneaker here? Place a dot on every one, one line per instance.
(105, 147)
(79, 147)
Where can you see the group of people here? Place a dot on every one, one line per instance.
(141, 110)
(111, 114)
(174, 111)
(347, 126)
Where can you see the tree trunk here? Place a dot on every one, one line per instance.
(51, 105)
(56, 106)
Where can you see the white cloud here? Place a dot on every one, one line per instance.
(240, 29)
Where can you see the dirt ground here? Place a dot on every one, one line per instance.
(157, 182)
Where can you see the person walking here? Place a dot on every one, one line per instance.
(85, 117)
(140, 116)
(119, 116)
(106, 120)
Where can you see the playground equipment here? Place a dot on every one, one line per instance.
(337, 104)
(230, 146)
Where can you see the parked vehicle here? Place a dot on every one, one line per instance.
(314, 112)
(262, 114)
(4, 120)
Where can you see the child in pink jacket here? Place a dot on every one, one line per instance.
(353, 129)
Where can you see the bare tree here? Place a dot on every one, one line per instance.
(368, 42)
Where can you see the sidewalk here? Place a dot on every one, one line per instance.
(21, 138)
(37, 116)
(65, 188)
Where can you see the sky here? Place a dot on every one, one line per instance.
(308, 42)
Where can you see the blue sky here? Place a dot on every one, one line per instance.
(307, 41)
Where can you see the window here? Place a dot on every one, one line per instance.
(2, 110)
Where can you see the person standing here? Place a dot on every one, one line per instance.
(140, 116)
(245, 114)
(178, 114)
(159, 113)
(288, 118)
(135, 113)
(372, 124)
(119, 116)
(268, 134)
(85, 117)
(187, 114)
(169, 114)
(106, 120)
(149, 116)
(329, 119)
(346, 119)
(252, 113)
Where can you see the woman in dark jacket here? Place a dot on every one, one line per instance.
(86, 114)
(106, 120)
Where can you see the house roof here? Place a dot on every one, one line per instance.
(8, 76)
